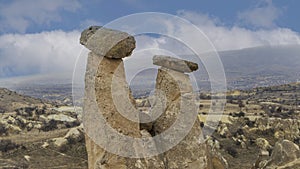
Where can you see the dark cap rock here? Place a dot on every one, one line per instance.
(107, 42)
(174, 63)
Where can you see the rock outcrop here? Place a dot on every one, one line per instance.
(107, 42)
(36, 118)
(99, 76)
(285, 154)
(283, 128)
(175, 64)
(107, 93)
(175, 89)
(262, 143)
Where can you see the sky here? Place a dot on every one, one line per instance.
(41, 37)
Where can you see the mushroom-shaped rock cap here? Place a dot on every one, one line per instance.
(107, 42)
(174, 63)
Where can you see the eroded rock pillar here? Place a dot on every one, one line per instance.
(111, 121)
(175, 86)
(105, 74)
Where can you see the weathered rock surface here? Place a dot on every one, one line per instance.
(283, 128)
(217, 160)
(74, 135)
(22, 114)
(107, 42)
(263, 143)
(62, 118)
(284, 155)
(190, 152)
(174, 63)
(223, 130)
(60, 141)
(284, 152)
(107, 94)
(108, 75)
(88, 33)
(37, 118)
(100, 71)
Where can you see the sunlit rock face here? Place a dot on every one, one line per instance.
(285, 155)
(107, 94)
(98, 157)
(107, 42)
(175, 64)
(175, 89)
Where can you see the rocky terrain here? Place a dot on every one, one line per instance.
(259, 126)
(38, 134)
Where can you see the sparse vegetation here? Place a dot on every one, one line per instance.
(232, 151)
(242, 116)
(7, 145)
(49, 126)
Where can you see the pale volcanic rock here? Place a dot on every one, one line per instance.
(283, 128)
(75, 134)
(105, 66)
(285, 155)
(99, 75)
(263, 143)
(150, 145)
(107, 94)
(59, 142)
(175, 64)
(217, 160)
(284, 152)
(190, 152)
(106, 78)
(107, 42)
(172, 84)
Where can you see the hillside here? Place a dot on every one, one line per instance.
(244, 69)
(252, 123)
(261, 66)
(34, 132)
(10, 100)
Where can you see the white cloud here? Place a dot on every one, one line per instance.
(222, 37)
(56, 51)
(236, 37)
(18, 15)
(41, 53)
(262, 16)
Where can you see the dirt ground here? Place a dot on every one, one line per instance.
(30, 144)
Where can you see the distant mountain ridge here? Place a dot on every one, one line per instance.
(244, 69)
(262, 66)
